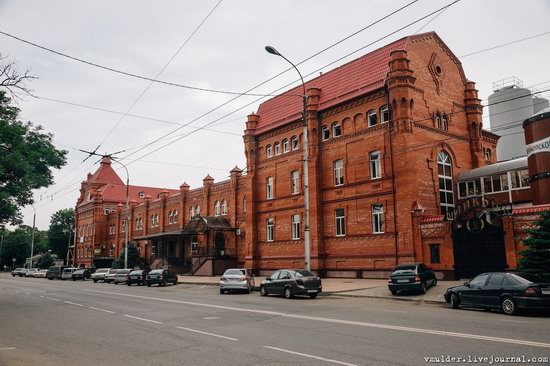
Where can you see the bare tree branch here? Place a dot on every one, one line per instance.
(12, 79)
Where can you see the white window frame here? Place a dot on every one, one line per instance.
(224, 207)
(277, 148)
(217, 208)
(444, 161)
(295, 220)
(372, 113)
(325, 133)
(269, 188)
(197, 210)
(336, 129)
(270, 230)
(375, 159)
(377, 210)
(175, 217)
(191, 212)
(294, 143)
(445, 121)
(285, 146)
(340, 222)
(338, 173)
(295, 182)
(170, 217)
(268, 151)
(384, 114)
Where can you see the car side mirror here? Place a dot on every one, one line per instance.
(268, 279)
(467, 284)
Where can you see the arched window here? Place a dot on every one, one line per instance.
(384, 114)
(197, 210)
(325, 133)
(156, 219)
(152, 220)
(438, 120)
(175, 217)
(268, 151)
(285, 146)
(445, 174)
(170, 217)
(217, 208)
(294, 143)
(488, 154)
(445, 122)
(277, 148)
(191, 212)
(224, 207)
(336, 129)
(371, 117)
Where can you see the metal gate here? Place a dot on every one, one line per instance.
(479, 247)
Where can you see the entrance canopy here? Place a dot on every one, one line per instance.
(164, 234)
(202, 224)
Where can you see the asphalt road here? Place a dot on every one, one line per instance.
(64, 322)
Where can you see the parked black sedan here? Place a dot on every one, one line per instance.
(508, 292)
(161, 277)
(411, 277)
(139, 277)
(290, 282)
(81, 274)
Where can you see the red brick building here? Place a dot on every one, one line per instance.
(389, 135)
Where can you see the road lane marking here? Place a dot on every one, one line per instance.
(51, 298)
(26, 283)
(145, 320)
(339, 321)
(210, 334)
(106, 311)
(202, 287)
(72, 303)
(7, 348)
(27, 293)
(310, 356)
(41, 296)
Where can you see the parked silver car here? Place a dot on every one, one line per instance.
(41, 273)
(67, 273)
(31, 272)
(110, 275)
(99, 275)
(237, 279)
(121, 276)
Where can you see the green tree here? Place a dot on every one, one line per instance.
(61, 231)
(27, 156)
(535, 258)
(133, 257)
(45, 261)
(16, 244)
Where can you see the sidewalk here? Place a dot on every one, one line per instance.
(349, 287)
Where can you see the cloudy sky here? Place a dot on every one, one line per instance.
(84, 106)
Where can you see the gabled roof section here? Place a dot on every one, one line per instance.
(360, 76)
(105, 174)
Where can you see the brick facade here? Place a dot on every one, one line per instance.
(388, 135)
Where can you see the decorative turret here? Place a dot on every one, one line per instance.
(400, 83)
(474, 110)
(207, 181)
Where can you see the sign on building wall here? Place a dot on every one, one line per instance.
(538, 146)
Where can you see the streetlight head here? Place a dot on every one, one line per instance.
(272, 50)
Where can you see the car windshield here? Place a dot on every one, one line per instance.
(156, 271)
(113, 271)
(410, 267)
(136, 272)
(43, 270)
(102, 270)
(235, 272)
(303, 274)
(68, 270)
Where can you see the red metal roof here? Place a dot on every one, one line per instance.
(360, 76)
(105, 174)
(117, 193)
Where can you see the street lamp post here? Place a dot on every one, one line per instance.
(32, 234)
(307, 255)
(127, 227)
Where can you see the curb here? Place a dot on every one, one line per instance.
(420, 301)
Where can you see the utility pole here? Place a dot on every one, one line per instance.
(32, 234)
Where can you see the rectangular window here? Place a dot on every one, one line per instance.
(336, 130)
(434, 253)
(384, 114)
(326, 133)
(378, 218)
(169, 217)
(519, 179)
(340, 218)
(295, 227)
(294, 143)
(295, 182)
(175, 217)
(269, 230)
(285, 146)
(269, 188)
(375, 165)
(338, 172)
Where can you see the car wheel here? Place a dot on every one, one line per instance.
(148, 285)
(263, 291)
(116, 283)
(129, 284)
(164, 283)
(454, 301)
(248, 290)
(222, 292)
(288, 293)
(74, 279)
(393, 292)
(95, 281)
(423, 289)
(176, 281)
(434, 283)
(508, 306)
(313, 296)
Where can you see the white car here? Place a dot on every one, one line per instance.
(67, 273)
(99, 275)
(31, 272)
(110, 275)
(41, 273)
(237, 279)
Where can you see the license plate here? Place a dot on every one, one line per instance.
(400, 281)
(545, 291)
(312, 291)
